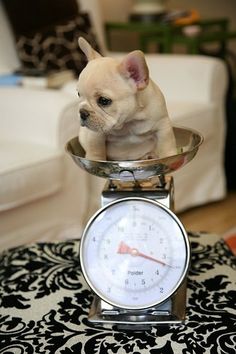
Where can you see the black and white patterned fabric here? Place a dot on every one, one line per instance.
(46, 35)
(56, 48)
(44, 304)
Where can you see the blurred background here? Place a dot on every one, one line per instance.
(212, 9)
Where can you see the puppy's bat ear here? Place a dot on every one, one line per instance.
(134, 66)
(87, 49)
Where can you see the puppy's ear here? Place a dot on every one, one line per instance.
(134, 66)
(87, 49)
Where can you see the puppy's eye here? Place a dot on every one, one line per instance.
(78, 94)
(103, 101)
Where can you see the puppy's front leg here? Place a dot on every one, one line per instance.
(93, 143)
(166, 143)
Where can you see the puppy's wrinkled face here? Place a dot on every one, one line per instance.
(106, 98)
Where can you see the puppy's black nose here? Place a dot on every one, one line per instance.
(84, 114)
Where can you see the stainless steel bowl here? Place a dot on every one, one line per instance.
(188, 142)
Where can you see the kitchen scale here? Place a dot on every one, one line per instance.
(134, 251)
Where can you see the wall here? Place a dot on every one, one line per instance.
(119, 11)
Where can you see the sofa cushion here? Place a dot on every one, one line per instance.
(27, 172)
(188, 114)
(47, 36)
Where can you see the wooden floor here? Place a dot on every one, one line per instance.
(217, 217)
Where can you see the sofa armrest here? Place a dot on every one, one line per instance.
(189, 77)
(41, 116)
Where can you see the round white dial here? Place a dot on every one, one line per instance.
(134, 253)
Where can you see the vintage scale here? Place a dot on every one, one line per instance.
(134, 251)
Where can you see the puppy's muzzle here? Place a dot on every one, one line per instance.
(84, 115)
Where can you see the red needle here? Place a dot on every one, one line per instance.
(125, 249)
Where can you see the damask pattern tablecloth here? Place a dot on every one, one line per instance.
(44, 304)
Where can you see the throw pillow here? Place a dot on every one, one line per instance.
(56, 48)
(50, 42)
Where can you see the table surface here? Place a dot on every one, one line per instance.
(167, 34)
(44, 304)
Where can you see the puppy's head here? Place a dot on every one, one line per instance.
(107, 89)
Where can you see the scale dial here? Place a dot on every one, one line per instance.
(134, 253)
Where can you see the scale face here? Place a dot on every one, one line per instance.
(134, 251)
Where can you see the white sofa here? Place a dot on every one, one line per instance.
(43, 195)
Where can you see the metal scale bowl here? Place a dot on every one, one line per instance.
(139, 195)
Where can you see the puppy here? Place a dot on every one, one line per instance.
(122, 111)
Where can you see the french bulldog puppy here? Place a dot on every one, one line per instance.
(123, 113)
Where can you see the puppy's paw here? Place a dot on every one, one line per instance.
(95, 156)
(150, 156)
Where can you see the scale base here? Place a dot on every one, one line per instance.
(171, 312)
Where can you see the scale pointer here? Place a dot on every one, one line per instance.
(125, 249)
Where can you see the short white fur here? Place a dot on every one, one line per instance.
(122, 111)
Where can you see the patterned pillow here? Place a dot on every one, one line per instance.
(56, 48)
(47, 32)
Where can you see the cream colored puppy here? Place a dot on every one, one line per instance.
(122, 111)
